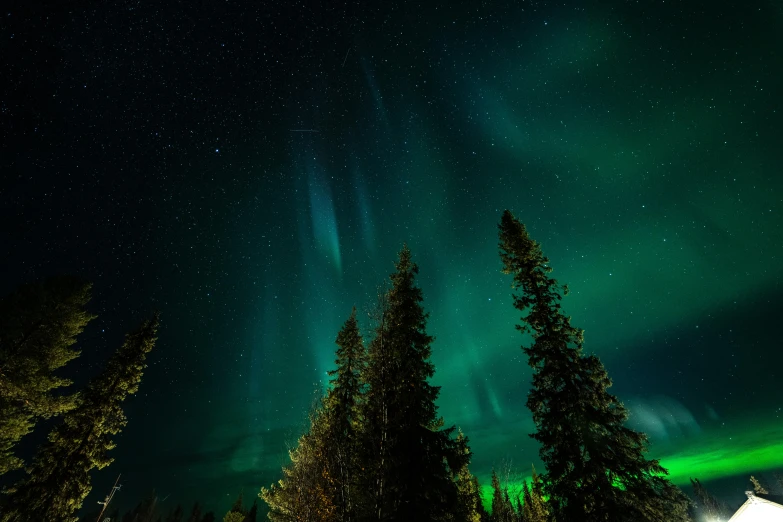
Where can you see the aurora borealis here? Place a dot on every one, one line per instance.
(251, 170)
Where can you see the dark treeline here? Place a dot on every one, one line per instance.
(375, 448)
(151, 510)
(39, 324)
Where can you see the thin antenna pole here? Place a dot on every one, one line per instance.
(110, 496)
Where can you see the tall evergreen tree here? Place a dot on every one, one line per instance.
(237, 512)
(502, 510)
(252, 514)
(318, 484)
(303, 494)
(59, 478)
(708, 504)
(480, 509)
(596, 468)
(340, 406)
(468, 499)
(409, 459)
(534, 507)
(39, 323)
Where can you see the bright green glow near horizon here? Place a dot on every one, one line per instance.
(744, 453)
(721, 457)
(640, 149)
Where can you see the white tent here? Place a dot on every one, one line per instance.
(757, 509)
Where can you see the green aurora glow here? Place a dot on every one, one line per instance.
(640, 144)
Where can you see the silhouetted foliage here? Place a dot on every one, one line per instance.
(302, 493)
(595, 465)
(59, 478)
(502, 509)
(252, 514)
(410, 460)
(758, 487)
(709, 506)
(340, 408)
(237, 512)
(534, 507)
(39, 323)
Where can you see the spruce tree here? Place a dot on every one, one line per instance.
(596, 468)
(708, 504)
(303, 494)
(468, 499)
(758, 487)
(252, 515)
(407, 455)
(534, 507)
(320, 480)
(39, 323)
(233, 516)
(480, 509)
(340, 407)
(502, 510)
(59, 478)
(237, 512)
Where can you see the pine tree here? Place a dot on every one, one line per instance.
(209, 516)
(39, 323)
(405, 448)
(596, 469)
(318, 484)
(340, 407)
(59, 478)
(237, 512)
(502, 510)
(233, 516)
(534, 507)
(480, 509)
(758, 488)
(302, 494)
(252, 515)
(710, 507)
(468, 499)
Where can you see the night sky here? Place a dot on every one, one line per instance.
(251, 170)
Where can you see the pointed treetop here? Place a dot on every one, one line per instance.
(758, 488)
(238, 506)
(405, 261)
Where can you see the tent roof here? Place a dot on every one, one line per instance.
(758, 509)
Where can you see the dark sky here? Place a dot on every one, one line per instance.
(252, 168)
